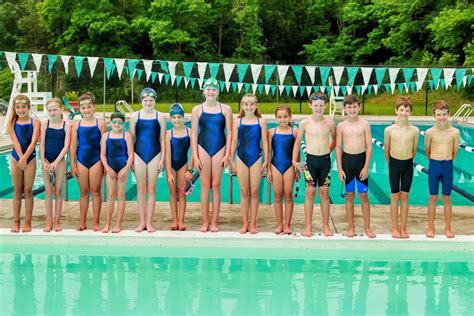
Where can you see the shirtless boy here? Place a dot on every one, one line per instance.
(401, 140)
(320, 135)
(353, 161)
(441, 145)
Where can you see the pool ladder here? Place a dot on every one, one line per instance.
(123, 107)
(464, 112)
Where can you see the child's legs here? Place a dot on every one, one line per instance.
(58, 189)
(48, 199)
(394, 175)
(96, 173)
(395, 197)
(205, 175)
(278, 194)
(255, 176)
(84, 190)
(403, 210)
(309, 208)
(17, 179)
(121, 188)
(216, 179)
(325, 205)
(152, 177)
(244, 183)
(28, 179)
(288, 181)
(448, 210)
(111, 186)
(365, 206)
(350, 209)
(141, 176)
(174, 188)
(431, 211)
(181, 181)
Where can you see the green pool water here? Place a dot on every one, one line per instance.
(65, 283)
(379, 191)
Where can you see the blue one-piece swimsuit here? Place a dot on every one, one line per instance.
(179, 150)
(24, 134)
(282, 148)
(211, 131)
(147, 140)
(116, 152)
(88, 149)
(249, 150)
(54, 142)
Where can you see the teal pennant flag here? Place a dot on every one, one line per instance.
(430, 83)
(369, 89)
(78, 62)
(269, 69)
(247, 87)
(288, 90)
(164, 66)
(302, 90)
(324, 71)
(167, 78)
(460, 73)
(23, 59)
(435, 75)
(387, 87)
(234, 86)
(221, 86)
(351, 74)
(139, 74)
(193, 82)
(380, 74)
(260, 88)
(109, 66)
(242, 70)
(188, 68)
(132, 65)
(51, 60)
(273, 88)
(400, 87)
(408, 73)
(358, 90)
(344, 90)
(178, 80)
(213, 69)
(297, 70)
(153, 76)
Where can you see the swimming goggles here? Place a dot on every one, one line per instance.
(117, 121)
(443, 111)
(320, 97)
(84, 102)
(20, 101)
(51, 177)
(211, 82)
(149, 94)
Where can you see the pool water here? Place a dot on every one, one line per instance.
(379, 192)
(64, 284)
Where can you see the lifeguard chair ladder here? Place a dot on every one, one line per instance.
(335, 102)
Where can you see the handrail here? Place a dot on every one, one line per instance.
(122, 105)
(467, 109)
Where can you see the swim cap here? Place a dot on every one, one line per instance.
(148, 92)
(211, 83)
(176, 108)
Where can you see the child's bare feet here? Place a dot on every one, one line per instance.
(287, 230)
(181, 226)
(370, 233)
(448, 233)
(48, 228)
(16, 227)
(327, 232)
(395, 233)
(140, 228)
(174, 225)
(204, 228)
(253, 229)
(278, 230)
(430, 233)
(117, 229)
(27, 227)
(244, 229)
(81, 228)
(106, 229)
(150, 228)
(404, 233)
(214, 228)
(57, 227)
(96, 227)
(350, 232)
(307, 233)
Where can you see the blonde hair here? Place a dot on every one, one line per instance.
(257, 111)
(58, 101)
(14, 116)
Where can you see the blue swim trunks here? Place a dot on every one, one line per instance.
(440, 171)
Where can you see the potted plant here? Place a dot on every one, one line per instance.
(73, 97)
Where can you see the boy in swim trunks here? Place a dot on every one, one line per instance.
(353, 161)
(401, 141)
(320, 135)
(441, 145)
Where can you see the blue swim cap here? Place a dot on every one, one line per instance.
(176, 108)
(148, 92)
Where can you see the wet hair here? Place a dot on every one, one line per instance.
(283, 107)
(118, 115)
(319, 94)
(440, 105)
(257, 111)
(349, 99)
(14, 116)
(404, 101)
(87, 96)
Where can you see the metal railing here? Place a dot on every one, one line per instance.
(464, 112)
(123, 107)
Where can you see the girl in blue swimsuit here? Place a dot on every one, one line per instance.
(281, 172)
(85, 159)
(24, 132)
(55, 138)
(249, 139)
(116, 154)
(177, 166)
(210, 140)
(147, 127)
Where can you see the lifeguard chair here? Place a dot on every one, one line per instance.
(335, 102)
(30, 79)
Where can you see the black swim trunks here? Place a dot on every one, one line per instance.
(320, 169)
(400, 174)
(352, 165)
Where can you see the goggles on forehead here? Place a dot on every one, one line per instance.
(443, 111)
(117, 121)
(211, 82)
(23, 101)
(148, 94)
(319, 97)
(84, 102)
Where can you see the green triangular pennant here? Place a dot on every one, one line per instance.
(153, 76)
(413, 87)
(369, 89)
(260, 88)
(51, 61)
(167, 78)
(380, 74)
(213, 69)
(247, 87)
(132, 64)
(269, 69)
(302, 90)
(193, 82)
(273, 88)
(443, 84)
(23, 58)
(358, 90)
(78, 62)
(431, 84)
(164, 66)
(400, 87)
(109, 66)
(408, 73)
(460, 72)
(288, 90)
(469, 79)
(344, 90)
(435, 75)
(297, 70)
(139, 73)
(242, 70)
(324, 71)
(234, 86)
(222, 85)
(188, 68)
(351, 74)
(387, 87)
(178, 80)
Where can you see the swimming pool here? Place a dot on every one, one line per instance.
(226, 276)
(378, 177)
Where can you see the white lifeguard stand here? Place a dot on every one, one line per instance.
(30, 79)
(335, 103)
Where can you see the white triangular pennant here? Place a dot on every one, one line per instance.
(392, 87)
(363, 88)
(186, 82)
(172, 67)
(336, 90)
(295, 90)
(65, 60)
(202, 70)
(281, 88)
(120, 62)
(376, 88)
(37, 60)
(160, 77)
(200, 81)
(448, 76)
(239, 86)
(92, 61)
(228, 69)
(464, 81)
(12, 64)
(282, 70)
(421, 76)
(148, 65)
(406, 87)
(349, 89)
(337, 74)
(254, 87)
(227, 86)
(393, 72)
(267, 88)
(256, 69)
(310, 70)
(309, 90)
(366, 72)
(173, 78)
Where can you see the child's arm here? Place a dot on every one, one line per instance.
(457, 136)
(332, 131)
(228, 140)
(194, 137)
(416, 137)
(129, 140)
(32, 145)
(297, 145)
(67, 140)
(102, 127)
(191, 157)
(428, 144)
(386, 144)
(264, 131)
(44, 161)
(341, 173)
(235, 131)
(270, 154)
(103, 156)
(169, 176)
(73, 149)
(133, 123)
(162, 139)
(364, 174)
